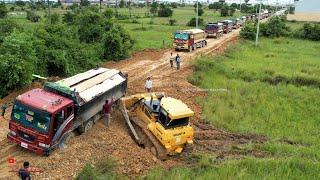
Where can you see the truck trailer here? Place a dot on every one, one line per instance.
(190, 39)
(42, 119)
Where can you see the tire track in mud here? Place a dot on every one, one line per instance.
(116, 142)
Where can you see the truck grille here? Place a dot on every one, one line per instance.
(26, 136)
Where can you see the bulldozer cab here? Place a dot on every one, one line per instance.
(173, 113)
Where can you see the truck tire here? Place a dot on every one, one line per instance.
(83, 128)
(190, 48)
(194, 47)
(88, 126)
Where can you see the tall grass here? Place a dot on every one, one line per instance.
(287, 112)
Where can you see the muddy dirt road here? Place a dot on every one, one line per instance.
(115, 142)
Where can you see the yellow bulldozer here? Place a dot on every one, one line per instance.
(158, 122)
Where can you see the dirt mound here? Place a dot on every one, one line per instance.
(116, 141)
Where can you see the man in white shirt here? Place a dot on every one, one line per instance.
(148, 84)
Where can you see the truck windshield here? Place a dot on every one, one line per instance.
(183, 36)
(29, 117)
(211, 26)
(167, 123)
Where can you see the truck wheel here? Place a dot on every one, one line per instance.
(88, 126)
(195, 47)
(190, 48)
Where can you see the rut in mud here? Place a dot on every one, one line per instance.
(116, 142)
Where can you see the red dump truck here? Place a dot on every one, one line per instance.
(190, 39)
(42, 119)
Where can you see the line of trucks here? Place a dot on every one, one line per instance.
(192, 39)
(43, 119)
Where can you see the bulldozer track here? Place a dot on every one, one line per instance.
(160, 150)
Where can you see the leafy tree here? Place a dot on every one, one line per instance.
(246, 1)
(16, 61)
(224, 11)
(108, 13)
(216, 6)
(3, 10)
(32, 16)
(154, 8)
(117, 44)
(164, 11)
(40, 4)
(20, 3)
(122, 4)
(90, 27)
(234, 5)
(84, 3)
(74, 6)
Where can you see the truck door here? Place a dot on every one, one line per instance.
(62, 121)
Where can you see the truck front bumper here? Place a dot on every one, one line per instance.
(26, 145)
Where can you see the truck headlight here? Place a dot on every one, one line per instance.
(44, 145)
(13, 133)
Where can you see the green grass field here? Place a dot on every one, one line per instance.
(286, 112)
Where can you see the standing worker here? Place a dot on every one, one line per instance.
(148, 84)
(171, 60)
(178, 60)
(4, 107)
(24, 173)
(106, 111)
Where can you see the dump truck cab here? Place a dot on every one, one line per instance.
(35, 118)
(214, 30)
(190, 39)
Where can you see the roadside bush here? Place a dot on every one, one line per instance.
(248, 31)
(117, 44)
(172, 22)
(275, 27)
(69, 18)
(55, 18)
(192, 22)
(108, 13)
(164, 11)
(16, 62)
(6, 28)
(32, 16)
(3, 10)
(309, 31)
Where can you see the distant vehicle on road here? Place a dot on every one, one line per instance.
(214, 30)
(227, 26)
(189, 39)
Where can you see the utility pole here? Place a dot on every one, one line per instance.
(197, 15)
(49, 13)
(258, 26)
(240, 8)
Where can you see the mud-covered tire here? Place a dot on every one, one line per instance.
(88, 126)
(65, 140)
(190, 49)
